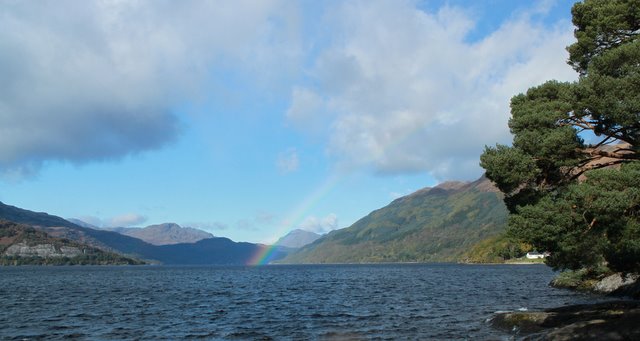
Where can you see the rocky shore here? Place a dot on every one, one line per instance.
(617, 285)
(611, 320)
(615, 320)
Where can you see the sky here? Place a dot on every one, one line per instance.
(248, 119)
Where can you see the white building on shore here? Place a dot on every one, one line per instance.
(535, 255)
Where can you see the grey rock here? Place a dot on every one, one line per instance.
(614, 282)
(613, 320)
(41, 250)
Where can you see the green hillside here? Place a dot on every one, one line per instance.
(431, 225)
(498, 249)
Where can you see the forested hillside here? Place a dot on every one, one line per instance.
(433, 224)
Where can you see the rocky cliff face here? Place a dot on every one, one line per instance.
(42, 250)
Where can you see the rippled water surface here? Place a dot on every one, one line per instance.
(408, 301)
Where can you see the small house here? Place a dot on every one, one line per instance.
(535, 255)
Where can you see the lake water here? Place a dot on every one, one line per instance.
(317, 302)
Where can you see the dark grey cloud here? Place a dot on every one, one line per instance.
(94, 80)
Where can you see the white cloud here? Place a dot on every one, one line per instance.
(246, 225)
(91, 220)
(400, 90)
(259, 221)
(385, 85)
(129, 219)
(208, 226)
(264, 218)
(124, 220)
(93, 80)
(288, 161)
(320, 225)
(307, 111)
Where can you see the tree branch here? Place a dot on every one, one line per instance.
(578, 171)
(616, 154)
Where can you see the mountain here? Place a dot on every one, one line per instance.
(432, 224)
(220, 251)
(163, 234)
(22, 244)
(297, 239)
(57, 227)
(206, 251)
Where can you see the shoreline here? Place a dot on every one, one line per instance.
(611, 320)
(615, 318)
(505, 263)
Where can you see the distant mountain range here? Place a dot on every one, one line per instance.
(206, 251)
(164, 234)
(160, 234)
(297, 239)
(432, 224)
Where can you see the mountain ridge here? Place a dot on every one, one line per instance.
(218, 251)
(162, 234)
(23, 244)
(432, 224)
(297, 238)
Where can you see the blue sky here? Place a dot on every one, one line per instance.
(250, 118)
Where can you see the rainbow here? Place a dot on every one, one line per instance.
(265, 253)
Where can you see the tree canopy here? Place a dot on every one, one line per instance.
(570, 178)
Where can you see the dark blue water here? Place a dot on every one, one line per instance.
(408, 301)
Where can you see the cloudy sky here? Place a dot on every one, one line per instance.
(250, 118)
